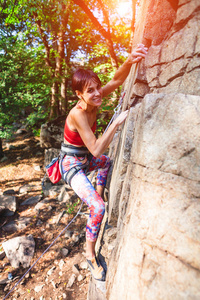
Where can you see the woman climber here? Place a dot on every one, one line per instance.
(82, 150)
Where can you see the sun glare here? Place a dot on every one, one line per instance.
(124, 9)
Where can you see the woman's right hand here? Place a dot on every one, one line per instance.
(121, 118)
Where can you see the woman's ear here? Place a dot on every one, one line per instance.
(78, 94)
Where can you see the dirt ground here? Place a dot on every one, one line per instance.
(40, 284)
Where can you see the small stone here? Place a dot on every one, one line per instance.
(75, 237)
(49, 273)
(9, 192)
(49, 208)
(25, 188)
(64, 252)
(71, 280)
(2, 254)
(4, 159)
(39, 222)
(75, 269)
(38, 153)
(83, 265)
(37, 168)
(64, 296)
(80, 277)
(12, 147)
(61, 264)
(60, 273)
(27, 275)
(38, 288)
(53, 283)
(28, 148)
(32, 200)
(10, 276)
(68, 234)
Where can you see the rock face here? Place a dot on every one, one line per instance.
(154, 200)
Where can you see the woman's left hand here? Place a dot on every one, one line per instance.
(137, 54)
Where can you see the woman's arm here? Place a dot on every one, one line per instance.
(94, 145)
(136, 55)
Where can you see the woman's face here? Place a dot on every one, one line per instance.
(92, 93)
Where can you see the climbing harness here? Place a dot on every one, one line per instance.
(70, 150)
(74, 151)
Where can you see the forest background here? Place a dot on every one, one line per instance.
(42, 42)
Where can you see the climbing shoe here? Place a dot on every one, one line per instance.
(96, 269)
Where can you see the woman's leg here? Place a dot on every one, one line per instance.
(85, 190)
(102, 164)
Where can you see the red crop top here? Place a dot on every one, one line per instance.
(73, 137)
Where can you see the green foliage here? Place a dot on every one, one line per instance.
(26, 78)
(71, 207)
(24, 83)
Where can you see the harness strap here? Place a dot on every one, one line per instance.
(71, 150)
(67, 176)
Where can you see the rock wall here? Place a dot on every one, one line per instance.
(154, 200)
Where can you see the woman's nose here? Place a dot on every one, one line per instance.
(97, 92)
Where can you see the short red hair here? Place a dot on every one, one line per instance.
(81, 79)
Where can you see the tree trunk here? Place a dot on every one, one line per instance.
(1, 149)
(54, 105)
(63, 91)
(58, 102)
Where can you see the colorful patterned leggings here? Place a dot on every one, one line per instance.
(86, 192)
